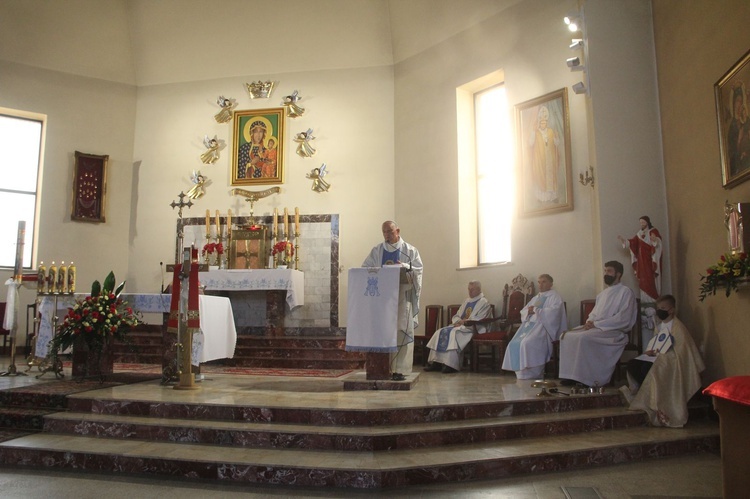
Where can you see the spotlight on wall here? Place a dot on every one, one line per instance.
(574, 63)
(579, 88)
(577, 44)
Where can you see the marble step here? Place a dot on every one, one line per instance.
(337, 342)
(175, 407)
(344, 438)
(297, 353)
(296, 363)
(362, 470)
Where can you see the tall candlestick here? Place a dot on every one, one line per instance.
(275, 222)
(218, 225)
(296, 220)
(208, 223)
(229, 223)
(286, 223)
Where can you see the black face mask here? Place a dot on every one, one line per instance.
(609, 280)
(662, 314)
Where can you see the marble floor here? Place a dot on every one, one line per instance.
(685, 476)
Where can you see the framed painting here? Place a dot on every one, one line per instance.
(732, 96)
(258, 147)
(543, 129)
(89, 187)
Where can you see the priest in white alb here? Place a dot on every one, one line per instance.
(543, 319)
(447, 344)
(589, 353)
(395, 251)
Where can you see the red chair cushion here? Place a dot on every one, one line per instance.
(735, 388)
(492, 336)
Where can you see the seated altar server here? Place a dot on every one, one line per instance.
(447, 344)
(543, 319)
(667, 375)
(589, 353)
(395, 251)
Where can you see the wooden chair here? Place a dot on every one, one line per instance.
(433, 320)
(632, 350)
(552, 367)
(492, 344)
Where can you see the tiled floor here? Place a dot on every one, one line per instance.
(692, 476)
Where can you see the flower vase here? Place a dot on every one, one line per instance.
(89, 362)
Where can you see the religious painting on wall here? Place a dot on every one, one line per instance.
(543, 129)
(258, 147)
(89, 187)
(732, 93)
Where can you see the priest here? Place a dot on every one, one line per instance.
(543, 319)
(395, 251)
(589, 353)
(447, 344)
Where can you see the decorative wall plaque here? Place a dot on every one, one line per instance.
(89, 187)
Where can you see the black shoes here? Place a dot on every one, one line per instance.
(434, 366)
(449, 370)
(398, 377)
(568, 382)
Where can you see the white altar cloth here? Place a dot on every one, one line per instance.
(289, 280)
(217, 321)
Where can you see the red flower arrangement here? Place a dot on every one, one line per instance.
(727, 273)
(211, 248)
(284, 247)
(98, 318)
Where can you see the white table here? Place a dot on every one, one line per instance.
(217, 321)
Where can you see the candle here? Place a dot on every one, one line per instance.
(229, 222)
(218, 225)
(296, 220)
(208, 222)
(286, 223)
(275, 222)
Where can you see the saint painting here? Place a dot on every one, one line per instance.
(258, 147)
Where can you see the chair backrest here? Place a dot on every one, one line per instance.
(451, 310)
(433, 319)
(515, 296)
(586, 307)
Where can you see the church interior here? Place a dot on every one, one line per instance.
(382, 137)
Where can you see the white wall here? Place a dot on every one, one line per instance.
(529, 43)
(351, 114)
(91, 116)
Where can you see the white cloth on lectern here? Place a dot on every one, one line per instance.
(372, 307)
(11, 307)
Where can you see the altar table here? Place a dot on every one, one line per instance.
(289, 280)
(217, 321)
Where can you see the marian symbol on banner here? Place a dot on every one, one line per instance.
(372, 287)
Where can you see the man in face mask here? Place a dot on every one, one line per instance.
(667, 375)
(589, 353)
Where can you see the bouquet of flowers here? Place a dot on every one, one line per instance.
(97, 319)
(213, 251)
(285, 249)
(728, 273)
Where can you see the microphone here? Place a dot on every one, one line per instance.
(161, 271)
(400, 251)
